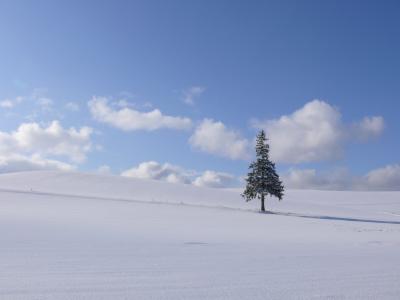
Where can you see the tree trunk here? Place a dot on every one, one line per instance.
(262, 203)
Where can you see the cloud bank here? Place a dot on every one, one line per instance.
(175, 174)
(156, 171)
(339, 179)
(385, 179)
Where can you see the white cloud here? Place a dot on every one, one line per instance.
(175, 174)
(18, 163)
(10, 103)
(130, 119)
(386, 178)
(32, 138)
(6, 104)
(313, 133)
(338, 179)
(213, 137)
(215, 180)
(368, 127)
(72, 106)
(190, 94)
(156, 171)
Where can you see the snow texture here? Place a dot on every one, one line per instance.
(68, 235)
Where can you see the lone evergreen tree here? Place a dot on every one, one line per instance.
(262, 178)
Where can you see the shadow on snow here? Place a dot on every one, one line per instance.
(331, 218)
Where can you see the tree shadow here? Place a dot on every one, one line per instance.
(321, 217)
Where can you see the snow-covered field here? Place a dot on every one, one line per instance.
(81, 236)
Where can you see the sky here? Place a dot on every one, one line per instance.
(177, 90)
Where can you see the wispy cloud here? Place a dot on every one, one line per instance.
(45, 103)
(192, 93)
(11, 103)
(72, 106)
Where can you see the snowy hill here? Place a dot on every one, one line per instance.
(84, 236)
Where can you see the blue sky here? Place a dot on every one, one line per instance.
(228, 68)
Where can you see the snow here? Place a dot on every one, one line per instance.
(66, 235)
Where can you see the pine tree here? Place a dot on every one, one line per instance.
(262, 178)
